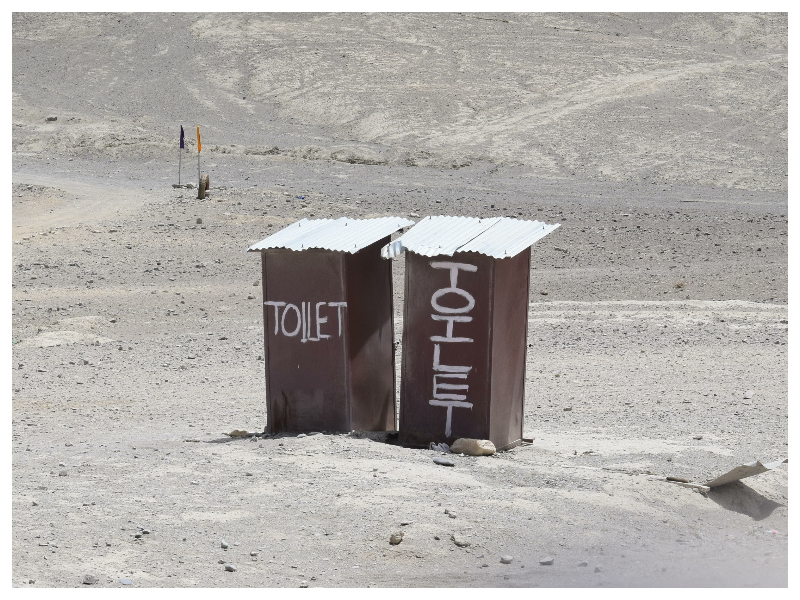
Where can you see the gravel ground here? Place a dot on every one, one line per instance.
(658, 318)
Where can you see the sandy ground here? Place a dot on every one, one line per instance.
(658, 311)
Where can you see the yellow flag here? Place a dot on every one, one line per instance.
(199, 147)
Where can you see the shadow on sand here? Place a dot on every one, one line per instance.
(739, 498)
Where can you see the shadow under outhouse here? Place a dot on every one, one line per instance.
(328, 325)
(465, 323)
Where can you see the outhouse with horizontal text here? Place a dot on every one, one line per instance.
(328, 325)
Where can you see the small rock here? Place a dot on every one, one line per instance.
(598, 569)
(52, 118)
(543, 293)
(748, 394)
(304, 584)
(62, 473)
(458, 541)
(254, 553)
(224, 545)
(472, 447)
(221, 561)
(195, 483)
(396, 538)
(126, 581)
(567, 408)
(445, 462)
(506, 560)
(35, 503)
(61, 465)
(548, 560)
(301, 435)
(248, 474)
(90, 579)
(146, 531)
(230, 567)
(583, 563)
(698, 437)
(403, 523)
(199, 221)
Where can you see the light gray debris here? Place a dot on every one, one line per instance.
(748, 394)
(52, 118)
(439, 447)
(224, 545)
(548, 560)
(90, 579)
(124, 581)
(230, 567)
(396, 538)
(598, 569)
(583, 563)
(459, 541)
(445, 462)
(506, 560)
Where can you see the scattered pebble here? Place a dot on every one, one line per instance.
(396, 538)
(458, 541)
(62, 465)
(195, 483)
(145, 531)
(698, 437)
(248, 474)
(304, 584)
(748, 394)
(230, 567)
(199, 221)
(254, 553)
(445, 462)
(567, 408)
(598, 569)
(221, 561)
(62, 473)
(301, 435)
(506, 560)
(90, 579)
(583, 563)
(224, 545)
(548, 560)
(126, 581)
(403, 523)
(52, 118)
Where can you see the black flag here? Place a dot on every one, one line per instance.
(181, 136)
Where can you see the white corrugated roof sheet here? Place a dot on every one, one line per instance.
(498, 237)
(340, 235)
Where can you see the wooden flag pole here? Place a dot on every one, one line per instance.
(180, 157)
(198, 155)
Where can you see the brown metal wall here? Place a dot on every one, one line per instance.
(509, 346)
(370, 339)
(421, 422)
(307, 385)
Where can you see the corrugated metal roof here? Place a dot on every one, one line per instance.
(341, 235)
(498, 237)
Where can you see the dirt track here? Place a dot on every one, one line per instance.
(136, 328)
